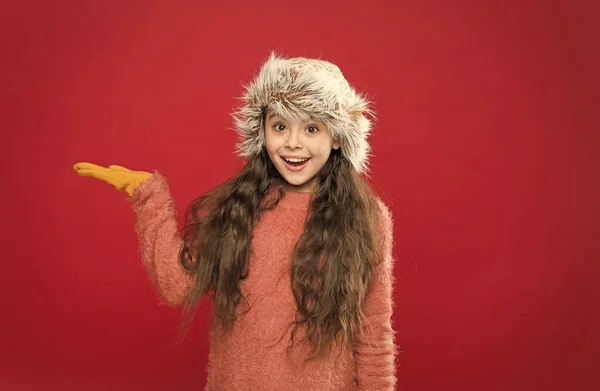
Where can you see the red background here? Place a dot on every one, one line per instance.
(486, 149)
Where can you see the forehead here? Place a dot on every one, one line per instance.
(272, 115)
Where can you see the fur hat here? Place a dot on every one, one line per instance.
(305, 88)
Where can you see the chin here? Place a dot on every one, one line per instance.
(296, 183)
(304, 185)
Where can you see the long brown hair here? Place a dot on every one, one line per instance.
(332, 262)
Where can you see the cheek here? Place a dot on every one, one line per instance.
(323, 149)
(325, 155)
(272, 149)
(269, 144)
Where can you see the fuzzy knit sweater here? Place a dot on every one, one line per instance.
(253, 355)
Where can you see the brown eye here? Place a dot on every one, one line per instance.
(312, 129)
(279, 127)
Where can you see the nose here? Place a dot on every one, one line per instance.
(292, 141)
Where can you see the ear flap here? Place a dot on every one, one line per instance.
(356, 115)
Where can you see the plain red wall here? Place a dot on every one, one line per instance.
(485, 147)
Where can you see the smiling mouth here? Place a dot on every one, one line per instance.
(295, 164)
(295, 161)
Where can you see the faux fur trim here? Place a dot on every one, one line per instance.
(305, 88)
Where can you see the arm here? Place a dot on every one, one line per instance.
(375, 350)
(159, 239)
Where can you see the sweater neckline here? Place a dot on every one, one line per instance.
(296, 200)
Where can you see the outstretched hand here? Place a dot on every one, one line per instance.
(123, 179)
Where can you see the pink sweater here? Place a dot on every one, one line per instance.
(253, 357)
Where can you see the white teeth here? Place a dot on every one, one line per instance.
(293, 160)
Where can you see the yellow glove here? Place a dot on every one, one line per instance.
(121, 178)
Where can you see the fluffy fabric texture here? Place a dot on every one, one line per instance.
(253, 356)
(305, 88)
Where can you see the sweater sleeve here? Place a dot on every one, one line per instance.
(160, 240)
(375, 351)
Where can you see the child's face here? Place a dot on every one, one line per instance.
(310, 142)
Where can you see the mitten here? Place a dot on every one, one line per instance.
(123, 179)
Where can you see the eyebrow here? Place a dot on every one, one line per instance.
(310, 119)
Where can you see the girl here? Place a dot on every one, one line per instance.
(295, 251)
